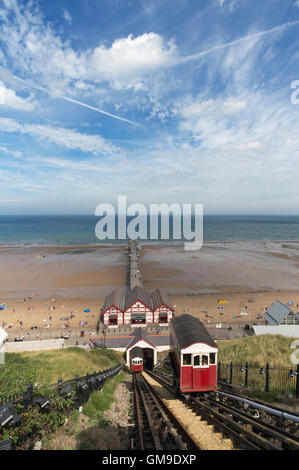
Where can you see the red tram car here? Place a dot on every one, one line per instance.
(193, 355)
(137, 359)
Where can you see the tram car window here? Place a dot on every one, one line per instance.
(193, 355)
(136, 359)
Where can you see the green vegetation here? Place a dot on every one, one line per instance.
(89, 430)
(45, 367)
(36, 423)
(100, 401)
(257, 350)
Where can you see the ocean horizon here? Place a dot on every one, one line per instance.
(64, 230)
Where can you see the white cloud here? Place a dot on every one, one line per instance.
(66, 138)
(228, 106)
(231, 5)
(7, 151)
(129, 59)
(261, 124)
(9, 99)
(67, 17)
(36, 49)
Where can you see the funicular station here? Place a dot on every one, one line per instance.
(135, 320)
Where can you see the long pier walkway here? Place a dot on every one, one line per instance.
(135, 277)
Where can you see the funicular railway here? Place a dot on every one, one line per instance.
(202, 416)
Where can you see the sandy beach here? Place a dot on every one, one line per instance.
(244, 274)
(222, 267)
(39, 286)
(55, 285)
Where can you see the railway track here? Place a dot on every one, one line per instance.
(155, 426)
(246, 431)
(165, 422)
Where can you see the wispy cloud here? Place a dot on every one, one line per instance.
(67, 17)
(236, 42)
(219, 130)
(66, 138)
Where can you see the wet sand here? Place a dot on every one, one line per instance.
(73, 272)
(236, 272)
(222, 267)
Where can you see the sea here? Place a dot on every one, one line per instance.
(63, 230)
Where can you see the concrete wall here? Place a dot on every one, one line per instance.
(284, 330)
(41, 345)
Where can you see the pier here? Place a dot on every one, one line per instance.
(135, 277)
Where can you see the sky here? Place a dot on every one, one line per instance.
(176, 101)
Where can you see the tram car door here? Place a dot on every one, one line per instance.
(194, 355)
(137, 359)
(199, 370)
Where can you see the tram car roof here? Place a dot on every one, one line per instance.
(189, 330)
(136, 352)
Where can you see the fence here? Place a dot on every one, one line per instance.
(91, 382)
(281, 381)
(77, 390)
(45, 333)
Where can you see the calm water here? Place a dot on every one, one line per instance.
(80, 230)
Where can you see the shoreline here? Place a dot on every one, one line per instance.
(147, 243)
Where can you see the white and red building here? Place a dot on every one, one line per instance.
(149, 350)
(137, 307)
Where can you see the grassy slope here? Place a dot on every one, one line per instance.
(257, 350)
(45, 367)
(89, 430)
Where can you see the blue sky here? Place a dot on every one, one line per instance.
(182, 101)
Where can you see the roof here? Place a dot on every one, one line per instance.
(219, 333)
(190, 330)
(121, 342)
(277, 312)
(136, 352)
(140, 335)
(114, 299)
(159, 297)
(123, 302)
(138, 294)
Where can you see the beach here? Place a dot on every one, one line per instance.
(37, 283)
(248, 276)
(58, 288)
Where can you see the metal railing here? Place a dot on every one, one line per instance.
(93, 381)
(283, 381)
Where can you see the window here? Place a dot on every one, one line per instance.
(186, 359)
(205, 360)
(196, 360)
(212, 358)
(290, 319)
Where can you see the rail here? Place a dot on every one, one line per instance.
(89, 379)
(249, 432)
(156, 427)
